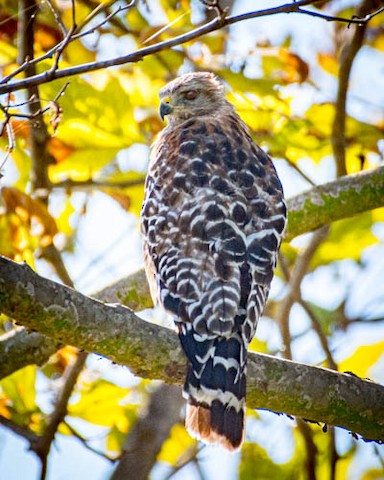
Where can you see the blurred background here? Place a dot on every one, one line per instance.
(71, 193)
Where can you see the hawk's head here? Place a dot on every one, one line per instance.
(192, 95)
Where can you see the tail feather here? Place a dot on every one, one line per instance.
(215, 388)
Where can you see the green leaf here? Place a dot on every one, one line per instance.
(255, 463)
(347, 239)
(18, 399)
(100, 403)
(20, 389)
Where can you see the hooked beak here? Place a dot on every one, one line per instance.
(165, 109)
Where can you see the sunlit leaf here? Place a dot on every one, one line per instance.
(362, 359)
(47, 36)
(8, 54)
(257, 345)
(20, 389)
(115, 439)
(100, 404)
(255, 463)
(28, 210)
(59, 150)
(373, 474)
(58, 362)
(328, 62)
(347, 239)
(63, 220)
(295, 69)
(178, 447)
(18, 397)
(238, 81)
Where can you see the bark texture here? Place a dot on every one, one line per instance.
(151, 351)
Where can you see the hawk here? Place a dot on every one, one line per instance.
(212, 222)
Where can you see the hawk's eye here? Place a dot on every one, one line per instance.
(190, 94)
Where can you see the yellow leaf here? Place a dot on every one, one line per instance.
(362, 359)
(20, 389)
(4, 404)
(328, 62)
(177, 447)
(257, 345)
(347, 239)
(59, 149)
(100, 404)
(28, 209)
(294, 68)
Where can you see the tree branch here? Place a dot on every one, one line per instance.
(20, 348)
(23, 432)
(216, 24)
(43, 446)
(154, 352)
(338, 139)
(145, 439)
(342, 198)
(299, 270)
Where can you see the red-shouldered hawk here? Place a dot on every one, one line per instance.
(212, 220)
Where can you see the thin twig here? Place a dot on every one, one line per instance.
(103, 22)
(331, 18)
(319, 331)
(71, 375)
(20, 430)
(37, 113)
(165, 28)
(60, 50)
(57, 16)
(84, 441)
(59, 46)
(311, 449)
(101, 7)
(81, 185)
(134, 57)
(185, 462)
(296, 8)
(299, 270)
(300, 171)
(315, 322)
(73, 14)
(7, 126)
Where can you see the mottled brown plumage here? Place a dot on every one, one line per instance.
(212, 221)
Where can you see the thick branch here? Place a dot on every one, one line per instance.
(342, 198)
(19, 348)
(154, 352)
(216, 24)
(308, 211)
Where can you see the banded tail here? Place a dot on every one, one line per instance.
(215, 387)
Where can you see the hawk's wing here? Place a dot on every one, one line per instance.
(212, 220)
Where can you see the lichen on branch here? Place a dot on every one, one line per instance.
(154, 352)
(342, 198)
